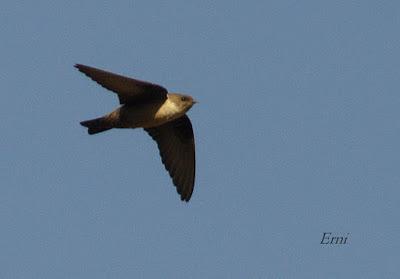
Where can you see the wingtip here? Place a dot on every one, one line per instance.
(186, 198)
(82, 67)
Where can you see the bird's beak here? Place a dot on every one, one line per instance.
(194, 102)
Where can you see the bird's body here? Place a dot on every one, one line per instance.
(145, 115)
(161, 114)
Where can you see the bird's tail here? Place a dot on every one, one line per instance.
(97, 125)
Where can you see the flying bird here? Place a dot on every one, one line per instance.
(161, 114)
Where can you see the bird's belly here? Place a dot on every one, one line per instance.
(145, 116)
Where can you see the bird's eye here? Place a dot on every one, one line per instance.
(183, 99)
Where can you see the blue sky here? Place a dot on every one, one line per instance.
(297, 133)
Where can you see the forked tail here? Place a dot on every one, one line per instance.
(97, 125)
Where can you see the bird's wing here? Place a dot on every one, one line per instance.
(129, 90)
(175, 142)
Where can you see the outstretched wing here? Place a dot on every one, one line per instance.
(129, 90)
(175, 142)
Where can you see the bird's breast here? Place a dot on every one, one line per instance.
(169, 111)
(147, 115)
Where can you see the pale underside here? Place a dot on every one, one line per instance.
(145, 115)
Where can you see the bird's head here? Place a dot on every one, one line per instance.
(184, 102)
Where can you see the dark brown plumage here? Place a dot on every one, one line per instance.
(129, 90)
(175, 141)
(160, 113)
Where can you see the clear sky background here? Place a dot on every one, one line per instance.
(297, 133)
